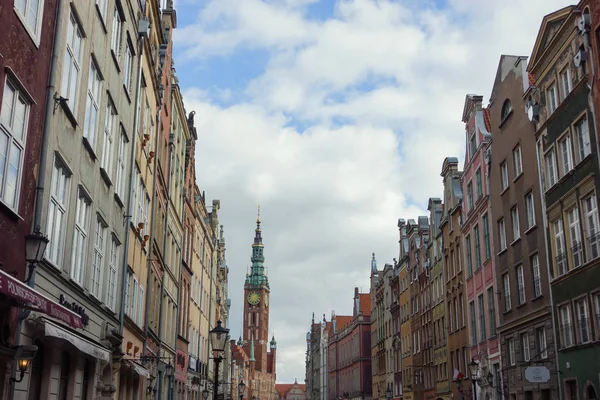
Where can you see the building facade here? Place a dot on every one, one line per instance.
(567, 147)
(294, 391)
(406, 362)
(25, 62)
(458, 342)
(482, 317)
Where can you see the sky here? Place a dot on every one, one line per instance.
(335, 116)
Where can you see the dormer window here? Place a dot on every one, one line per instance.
(506, 109)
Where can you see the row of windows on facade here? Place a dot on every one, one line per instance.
(579, 320)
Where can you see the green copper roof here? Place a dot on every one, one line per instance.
(252, 349)
(257, 276)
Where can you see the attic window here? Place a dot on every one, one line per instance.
(506, 109)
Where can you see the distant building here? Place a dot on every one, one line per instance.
(294, 391)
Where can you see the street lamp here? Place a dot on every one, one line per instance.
(23, 356)
(473, 367)
(218, 338)
(205, 393)
(35, 246)
(241, 389)
(389, 394)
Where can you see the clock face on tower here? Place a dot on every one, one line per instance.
(253, 298)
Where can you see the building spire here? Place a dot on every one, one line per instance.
(257, 276)
(373, 264)
(258, 217)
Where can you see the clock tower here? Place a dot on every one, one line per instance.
(256, 296)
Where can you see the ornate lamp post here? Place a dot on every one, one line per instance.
(218, 339)
(241, 389)
(389, 394)
(473, 367)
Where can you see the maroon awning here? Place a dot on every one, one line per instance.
(16, 289)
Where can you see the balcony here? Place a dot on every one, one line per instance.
(594, 245)
(577, 252)
(561, 263)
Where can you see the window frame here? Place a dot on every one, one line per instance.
(530, 209)
(98, 258)
(93, 99)
(79, 258)
(517, 161)
(504, 180)
(516, 224)
(552, 98)
(72, 60)
(534, 261)
(59, 167)
(34, 33)
(7, 128)
(550, 170)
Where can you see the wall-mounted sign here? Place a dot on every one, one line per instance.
(537, 374)
(76, 308)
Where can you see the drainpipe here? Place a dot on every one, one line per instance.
(131, 185)
(548, 258)
(39, 195)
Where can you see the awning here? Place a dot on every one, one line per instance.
(141, 371)
(16, 289)
(83, 345)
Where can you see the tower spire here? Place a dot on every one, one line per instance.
(251, 358)
(257, 276)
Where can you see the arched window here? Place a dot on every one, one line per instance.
(506, 109)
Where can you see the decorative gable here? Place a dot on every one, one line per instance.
(551, 25)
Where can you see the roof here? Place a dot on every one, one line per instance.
(284, 388)
(342, 321)
(365, 303)
(487, 118)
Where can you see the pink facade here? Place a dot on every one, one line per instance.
(476, 228)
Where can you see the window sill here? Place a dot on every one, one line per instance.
(127, 93)
(89, 148)
(115, 59)
(69, 113)
(105, 177)
(514, 242)
(516, 178)
(118, 200)
(504, 190)
(507, 311)
(531, 229)
(12, 213)
(537, 297)
(521, 305)
(502, 251)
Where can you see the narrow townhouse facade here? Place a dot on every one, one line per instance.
(405, 312)
(525, 324)
(567, 147)
(482, 316)
(425, 281)
(396, 337)
(85, 209)
(387, 380)
(350, 352)
(414, 268)
(25, 64)
(378, 371)
(458, 342)
(180, 131)
(438, 296)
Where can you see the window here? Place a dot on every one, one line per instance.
(469, 258)
(525, 347)
(141, 302)
(516, 229)
(517, 161)
(70, 78)
(113, 262)
(535, 270)
(82, 216)
(492, 311)
(473, 144)
(13, 133)
(110, 124)
(566, 328)
(530, 208)
(128, 67)
(521, 284)
(121, 163)
(506, 109)
(541, 342)
(477, 247)
(470, 195)
(502, 234)
(30, 12)
(565, 81)
(486, 236)
(462, 309)
(550, 170)
(590, 207)
(98, 259)
(91, 107)
(583, 320)
(583, 139)
(478, 183)
(559, 243)
(504, 175)
(511, 351)
(506, 287)
(575, 235)
(551, 98)
(596, 311)
(134, 299)
(566, 159)
(480, 305)
(473, 323)
(57, 212)
(117, 33)
(101, 4)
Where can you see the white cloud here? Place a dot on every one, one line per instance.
(396, 75)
